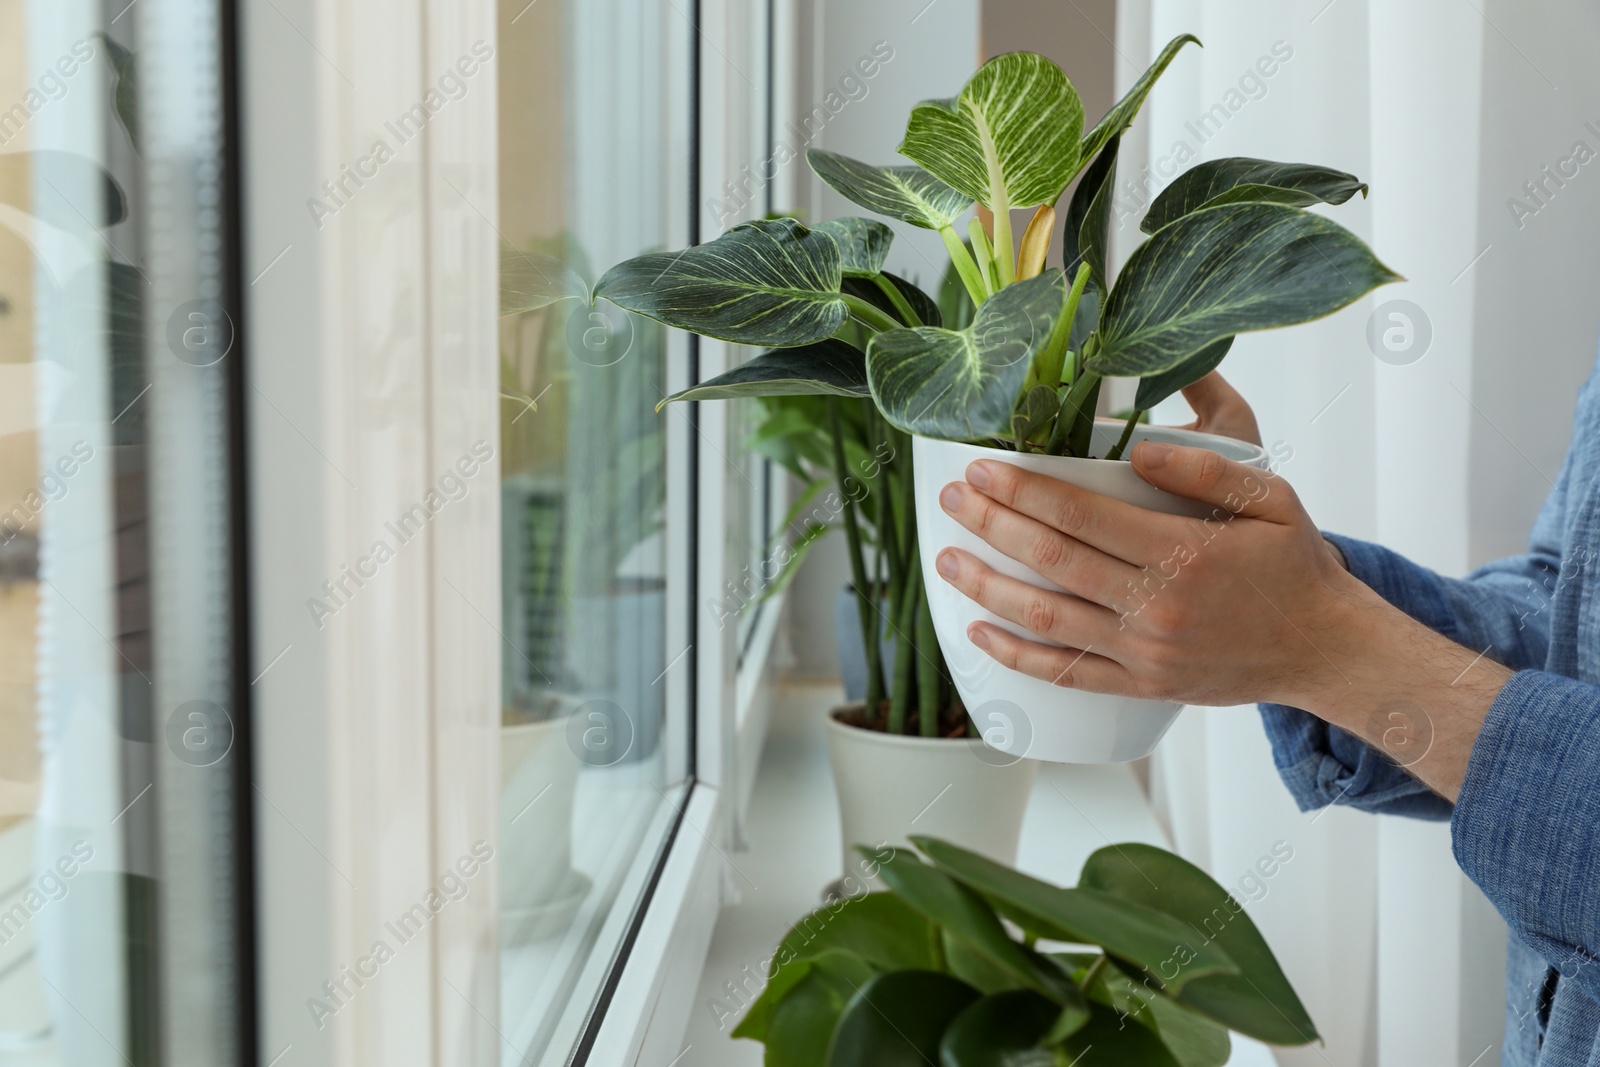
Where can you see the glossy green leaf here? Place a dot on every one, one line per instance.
(920, 302)
(863, 244)
(897, 1020)
(1134, 931)
(1087, 233)
(1001, 1030)
(802, 1023)
(964, 915)
(1239, 180)
(761, 283)
(879, 930)
(1225, 270)
(1258, 1001)
(976, 969)
(963, 383)
(1009, 139)
(531, 280)
(1156, 388)
(1193, 1041)
(909, 194)
(1120, 117)
(1108, 1040)
(827, 367)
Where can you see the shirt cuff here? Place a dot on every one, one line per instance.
(1526, 827)
(1322, 765)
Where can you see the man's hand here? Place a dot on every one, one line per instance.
(1221, 610)
(1246, 605)
(1219, 409)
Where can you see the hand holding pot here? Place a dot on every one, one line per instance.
(1227, 609)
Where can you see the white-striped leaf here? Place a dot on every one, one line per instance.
(1239, 180)
(1087, 233)
(1156, 388)
(827, 367)
(963, 383)
(1010, 138)
(909, 194)
(863, 244)
(1228, 270)
(761, 283)
(921, 303)
(1120, 117)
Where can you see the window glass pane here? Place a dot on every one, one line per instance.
(123, 812)
(586, 169)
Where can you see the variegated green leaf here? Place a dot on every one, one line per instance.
(1227, 270)
(1121, 116)
(532, 280)
(909, 194)
(1087, 233)
(1239, 180)
(828, 367)
(963, 383)
(1010, 139)
(863, 244)
(1156, 388)
(771, 282)
(921, 303)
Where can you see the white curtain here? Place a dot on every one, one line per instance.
(1447, 107)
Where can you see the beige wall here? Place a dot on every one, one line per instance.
(1079, 36)
(17, 458)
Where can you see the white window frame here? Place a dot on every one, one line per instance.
(377, 735)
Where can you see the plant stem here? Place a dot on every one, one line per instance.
(1127, 432)
(1053, 355)
(983, 253)
(1087, 388)
(928, 679)
(866, 610)
(965, 266)
(1075, 420)
(1004, 249)
(905, 652)
(1093, 972)
(868, 314)
(898, 299)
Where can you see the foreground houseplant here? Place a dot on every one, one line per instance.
(932, 972)
(1231, 249)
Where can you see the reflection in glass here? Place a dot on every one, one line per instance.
(582, 505)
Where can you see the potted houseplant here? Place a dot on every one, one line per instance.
(1232, 249)
(904, 753)
(968, 963)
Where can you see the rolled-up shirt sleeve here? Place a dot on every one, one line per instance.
(1526, 828)
(1502, 610)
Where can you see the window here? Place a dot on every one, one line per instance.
(594, 168)
(124, 720)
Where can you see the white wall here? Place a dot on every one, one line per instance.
(935, 50)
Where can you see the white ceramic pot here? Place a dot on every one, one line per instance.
(539, 889)
(1016, 713)
(891, 787)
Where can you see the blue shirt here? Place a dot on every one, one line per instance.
(1526, 827)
